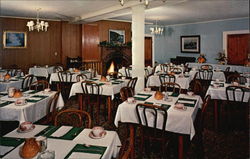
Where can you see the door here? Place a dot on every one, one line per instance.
(148, 51)
(238, 49)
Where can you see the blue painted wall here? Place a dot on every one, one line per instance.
(168, 46)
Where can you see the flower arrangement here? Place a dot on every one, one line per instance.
(201, 58)
(221, 57)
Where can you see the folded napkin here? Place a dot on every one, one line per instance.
(40, 96)
(61, 131)
(100, 84)
(142, 94)
(115, 82)
(3, 93)
(4, 103)
(14, 80)
(80, 148)
(165, 106)
(8, 141)
(33, 100)
(81, 155)
(47, 131)
(174, 94)
(31, 92)
(141, 99)
(187, 102)
(5, 149)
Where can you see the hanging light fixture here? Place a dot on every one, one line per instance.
(157, 30)
(146, 2)
(40, 25)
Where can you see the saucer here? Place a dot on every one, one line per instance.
(180, 106)
(21, 104)
(27, 130)
(91, 135)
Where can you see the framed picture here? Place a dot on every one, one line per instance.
(117, 36)
(14, 39)
(190, 44)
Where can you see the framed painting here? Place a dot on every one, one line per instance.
(190, 44)
(14, 39)
(117, 36)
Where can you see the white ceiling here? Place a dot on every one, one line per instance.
(170, 12)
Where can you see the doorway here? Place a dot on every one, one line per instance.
(238, 49)
(148, 51)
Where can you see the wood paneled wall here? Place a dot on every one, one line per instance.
(71, 41)
(61, 38)
(99, 31)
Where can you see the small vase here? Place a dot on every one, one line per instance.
(30, 148)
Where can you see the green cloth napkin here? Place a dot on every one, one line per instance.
(6, 103)
(115, 82)
(145, 94)
(48, 131)
(32, 101)
(174, 94)
(11, 142)
(89, 149)
(141, 99)
(13, 80)
(32, 92)
(149, 103)
(187, 104)
(39, 96)
(93, 79)
(100, 84)
(70, 135)
(4, 94)
(165, 106)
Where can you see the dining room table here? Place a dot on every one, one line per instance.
(54, 76)
(64, 142)
(109, 88)
(33, 109)
(182, 79)
(217, 74)
(180, 121)
(217, 91)
(42, 71)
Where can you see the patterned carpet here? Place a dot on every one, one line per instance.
(226, 143)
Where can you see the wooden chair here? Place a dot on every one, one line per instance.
(126, 92)
(132, 83)
(149, 117)
(39, 85)
(199, 127)
(73, 117)
(28, 79)
(196, 87)
(206, 67)
(236, 104)
(164, 67)
(65, 82)
(176, 70)
(58, 68)
(81, 77)
(51, 109)
(92, 97)
(227, 69)
(166, 78)
(205, 74)
(128, 72)
(236, 78)
(171, 87)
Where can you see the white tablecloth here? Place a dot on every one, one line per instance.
(54, 76)
(154, 80)
(216, 75)
(41, 71)
(220, 93)
(29, 112)
(107, 89)
(223, 67)
(5, 85)
(122, 70)
(63, 147)
(178, 121)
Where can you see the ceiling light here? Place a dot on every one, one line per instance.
(146, 2)
(40, 25)
(157, 30)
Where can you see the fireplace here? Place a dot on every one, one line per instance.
(120, 58)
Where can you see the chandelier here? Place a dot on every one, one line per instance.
(146, 2)
(40, 25)
(157, 30)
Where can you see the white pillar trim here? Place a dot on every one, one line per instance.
(226, 33)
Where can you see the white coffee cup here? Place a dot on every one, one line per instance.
(20, 101)
(97, 131)
(131, 99)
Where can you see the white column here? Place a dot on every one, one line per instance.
(138, 57)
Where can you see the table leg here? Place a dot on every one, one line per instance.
(109, 108)
(180, 147)
(216, 114)
(132, 140)
(80, 101)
